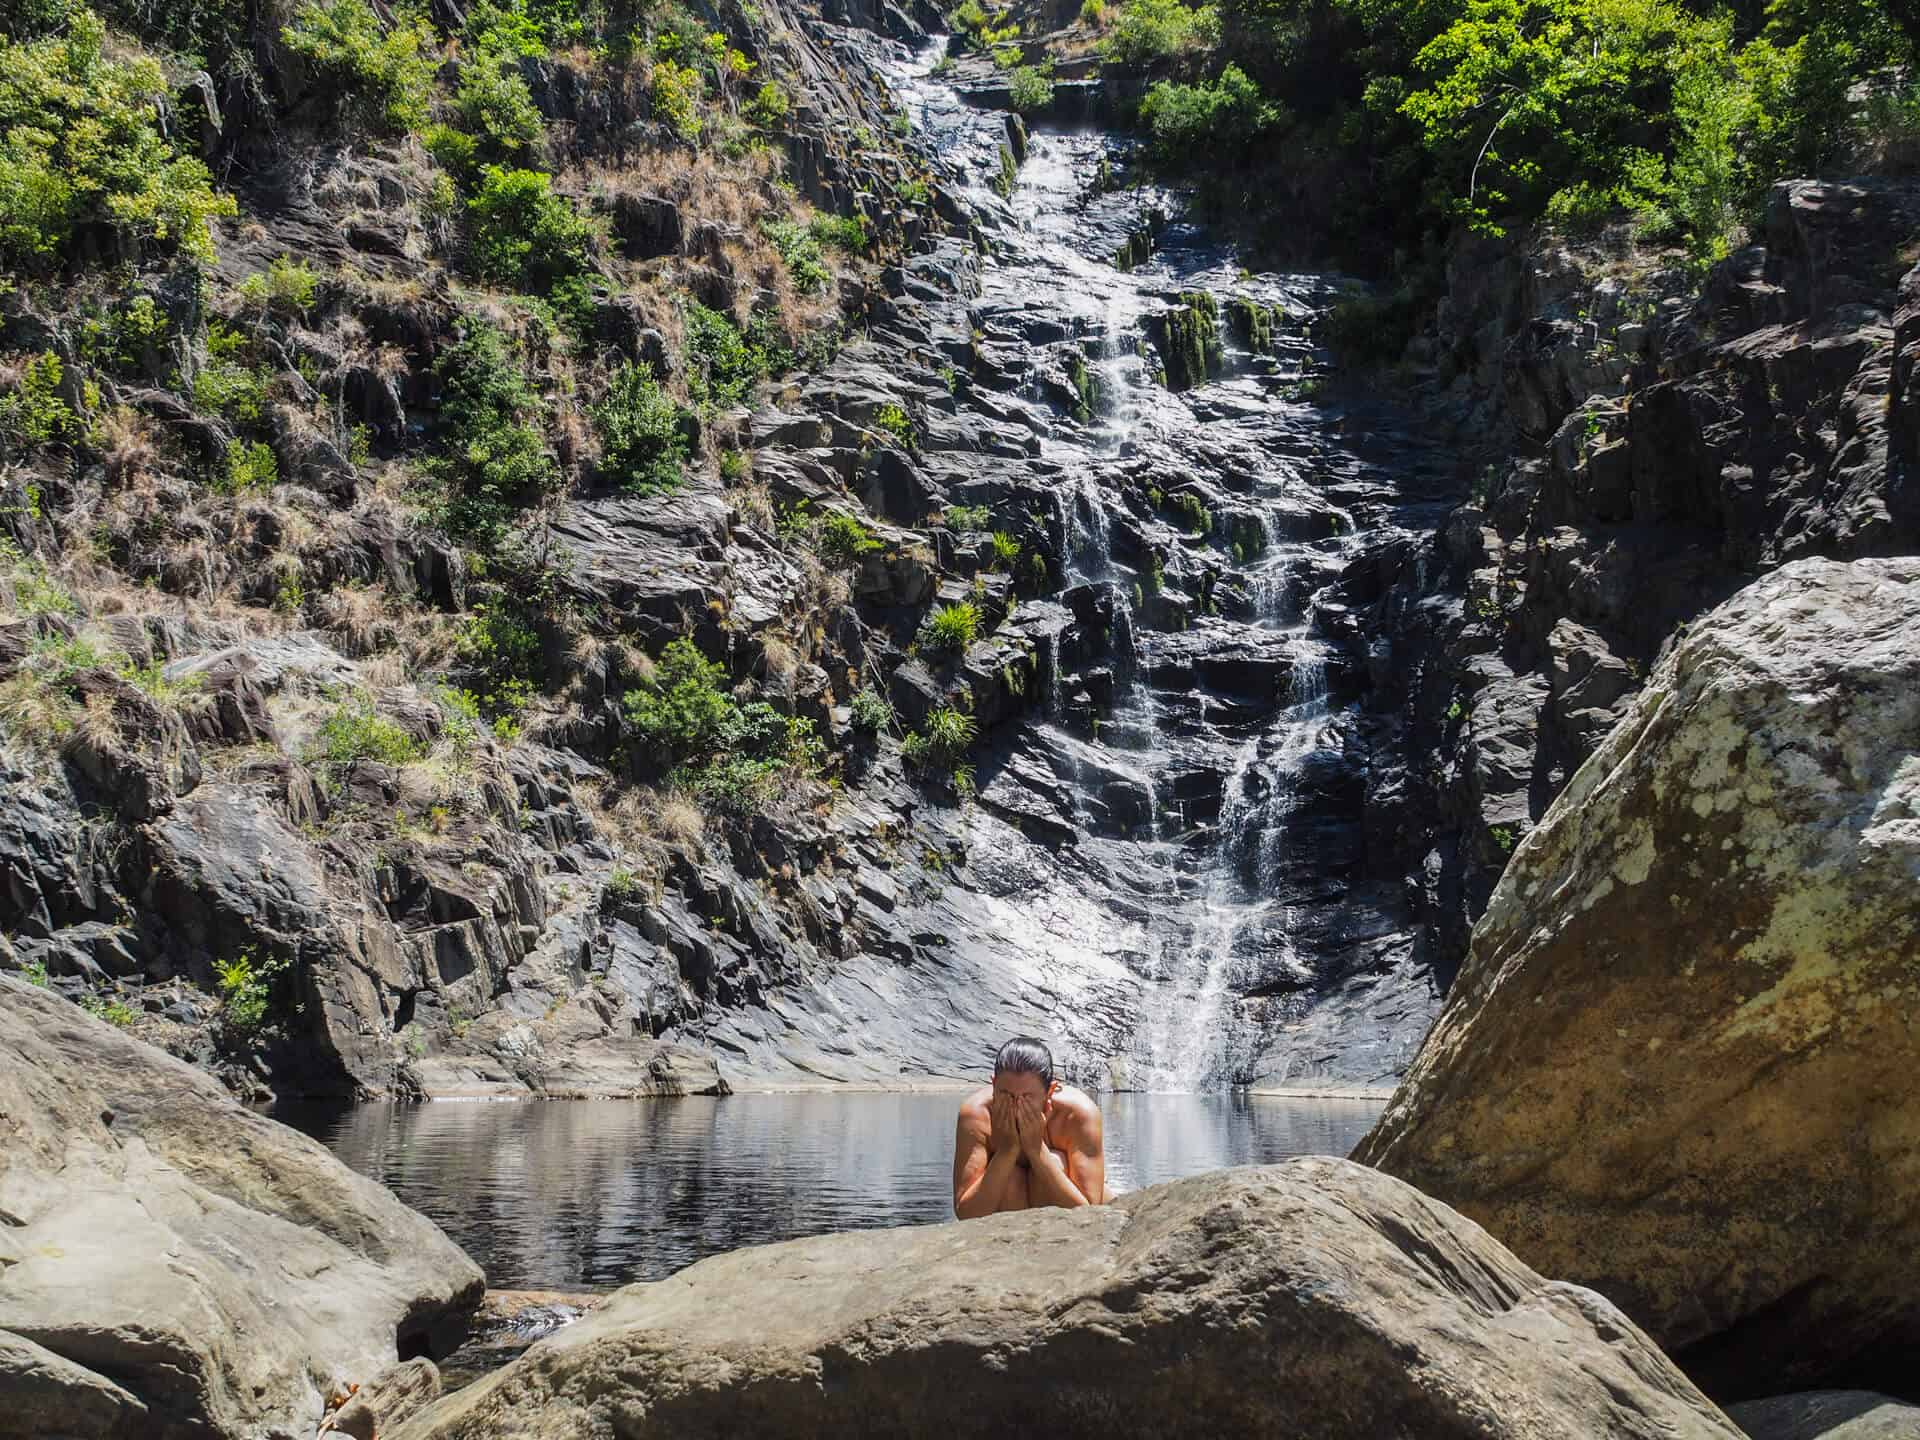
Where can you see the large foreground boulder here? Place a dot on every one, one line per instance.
(1313, 1300)
(174, 1265)
(1679, 1065)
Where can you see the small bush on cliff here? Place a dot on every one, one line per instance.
(951, 629)
(356, 732)
(677, 712)
(247, 989)
(387, 73)
(497, 108)
(525, 235)
(676, 90)
(1152, 30)
(895, 423)
(32, 413)
(82, 144)
(722, 364)
(939, 748)
(759, 751)
(800, 252)
(496, 462)
(1030, 87)
(844, 541)
(642, 435)
(1223, 115)
(871, 712)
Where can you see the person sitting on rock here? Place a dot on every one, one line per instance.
(1026, 1140)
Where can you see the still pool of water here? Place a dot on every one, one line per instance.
(594, 1193)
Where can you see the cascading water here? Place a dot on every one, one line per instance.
(1188, 714)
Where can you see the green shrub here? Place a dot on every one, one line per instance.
(32, 413)
(769, 106)
(497, 108)
(722, 366)
(356, 732)
(676, 91)
(496, 462)
(968, 519)
(389, 73)
(735, 466)
(524, 234)
(1193, 511)
(894, 421)
(844, 541)
(287, 287)
(509, 29)
(840, 232)
(913, 190)
(623, 885)
(1093, 12)
(951, 629)
(800, 252)
(34, 972)
(1030, 87)
(249, 466)
(502, 652)
(871, 711)
(1218, 116)
(678, 711)
(643, 443)
(248, 988)
(760, 752)
(1006, 551)
(232, 390)
(114, 1011)
(82, 143)
(948, 735)
(1153, 30)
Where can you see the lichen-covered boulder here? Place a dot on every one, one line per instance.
(173, 1265)
(1679, 1063)
(1312, 1300)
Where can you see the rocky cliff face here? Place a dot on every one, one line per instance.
(1640, 444)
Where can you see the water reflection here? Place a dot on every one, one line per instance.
(588, 1194)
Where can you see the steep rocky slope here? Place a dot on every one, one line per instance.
(1641, 444)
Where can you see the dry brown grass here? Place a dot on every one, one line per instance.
(359, 617)
(779, 662)
(128, 443)
(676, 819)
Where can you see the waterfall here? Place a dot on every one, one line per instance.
(1203, 712)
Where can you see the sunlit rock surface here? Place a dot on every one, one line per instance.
(1679, 1063)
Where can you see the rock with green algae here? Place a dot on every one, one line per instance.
(1311, 1300)
(1679, 1063)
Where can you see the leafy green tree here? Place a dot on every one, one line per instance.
(642, 433)
(82, 144)
(388, 71)
(524, 234)
(680, 711)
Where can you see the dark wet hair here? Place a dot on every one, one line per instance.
(1024, 1055)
